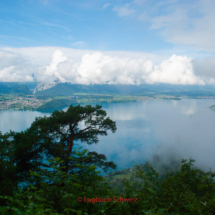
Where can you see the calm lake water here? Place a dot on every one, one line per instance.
(182, 128)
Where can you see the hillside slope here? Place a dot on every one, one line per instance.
(57, 103)
(14, 89)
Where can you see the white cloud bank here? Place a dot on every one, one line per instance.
(14, 68)
(101, 68)
(124, 10)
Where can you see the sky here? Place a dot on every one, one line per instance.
(108, 42)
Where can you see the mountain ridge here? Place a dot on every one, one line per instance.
(68, 89)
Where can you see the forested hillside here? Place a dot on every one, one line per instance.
(14, 89)
(66, 89)
(57, 103)
(30, 85)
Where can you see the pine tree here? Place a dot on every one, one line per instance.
(59, 133)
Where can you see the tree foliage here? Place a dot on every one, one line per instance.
(71, 174)
(58, 133)
(188, 191)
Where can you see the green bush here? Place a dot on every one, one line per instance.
(187, 191)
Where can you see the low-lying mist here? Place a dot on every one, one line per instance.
(161, 133)
(185, 130)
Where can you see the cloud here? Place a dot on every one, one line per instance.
(55, 25)
(187, 23)
(175, 70)
(106, 5)
(53, 69)
(43, 55)
(139, 2)
(14, 68)
(92, 67)
(124, 10)
(78, 44)
(185, 136)
(97, 68)
(185, 26)
(205, 68)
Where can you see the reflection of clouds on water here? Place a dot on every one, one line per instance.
(161, 127)
(189, 108)
(129, 143)
(127, 126)
(144, 128)
(125, 111)
(126, 115)
(175, 103)
(81, 125)
(17, 120)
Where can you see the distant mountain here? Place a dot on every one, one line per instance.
(4, 89)
(13, 88)
(67, 89)
(30, 85)
(43, 86)
(21, 89)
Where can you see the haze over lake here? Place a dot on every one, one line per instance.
(180, 129)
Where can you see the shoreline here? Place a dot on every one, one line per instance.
(117, 99)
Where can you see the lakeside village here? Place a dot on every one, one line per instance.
(28, 102)
(31, 102)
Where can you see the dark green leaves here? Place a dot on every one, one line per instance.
(58, 133)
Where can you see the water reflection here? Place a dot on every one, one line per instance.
(146, 127)
(18, 120)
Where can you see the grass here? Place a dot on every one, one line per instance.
(120, 176)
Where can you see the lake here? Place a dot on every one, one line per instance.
(168, 128)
